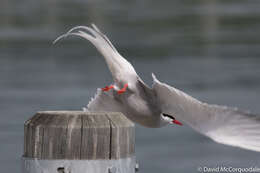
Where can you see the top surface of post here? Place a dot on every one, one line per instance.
(78, 135)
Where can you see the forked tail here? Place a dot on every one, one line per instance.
(116, 63)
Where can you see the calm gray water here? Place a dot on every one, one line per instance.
(209, 49)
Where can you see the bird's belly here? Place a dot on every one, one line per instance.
(144, 120)
(139, 110)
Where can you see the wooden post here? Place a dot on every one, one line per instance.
(77, 142)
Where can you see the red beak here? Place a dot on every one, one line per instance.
(177, 122)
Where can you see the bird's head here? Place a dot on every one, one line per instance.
(170, 119)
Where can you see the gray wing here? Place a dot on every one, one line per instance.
(222, 124)
(105, 101)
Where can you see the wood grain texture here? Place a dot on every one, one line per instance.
(78, 135)
(122, 134)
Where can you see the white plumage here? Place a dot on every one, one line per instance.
(148, 106)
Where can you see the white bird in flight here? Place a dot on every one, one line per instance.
(161, 104)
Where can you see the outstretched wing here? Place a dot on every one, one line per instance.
(222, 124)
(121, 69)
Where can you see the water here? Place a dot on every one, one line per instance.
(209, 49)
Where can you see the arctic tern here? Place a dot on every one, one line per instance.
(161, 104)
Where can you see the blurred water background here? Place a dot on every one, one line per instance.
(209, 49)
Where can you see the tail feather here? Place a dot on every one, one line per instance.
(104, 37)
(116, 63)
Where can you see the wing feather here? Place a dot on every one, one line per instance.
(222, 124)
(104, 101)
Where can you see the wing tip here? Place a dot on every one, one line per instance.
(92, 100)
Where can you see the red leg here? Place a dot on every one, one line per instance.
(107, 88)
(123, 89)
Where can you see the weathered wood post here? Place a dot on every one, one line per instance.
(77, 142)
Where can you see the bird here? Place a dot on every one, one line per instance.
(161, 104)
